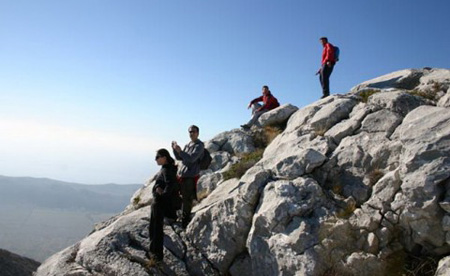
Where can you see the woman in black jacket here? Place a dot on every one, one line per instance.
(163, 190)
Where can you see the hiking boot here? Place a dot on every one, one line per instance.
(245, 127)
(324, 96)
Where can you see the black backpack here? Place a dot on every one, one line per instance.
(205, 161)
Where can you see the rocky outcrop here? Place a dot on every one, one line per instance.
(12, 264)
(277, 116)
(351, 185)
(420, 79)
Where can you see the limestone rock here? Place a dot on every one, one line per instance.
(222, 220)
(403, 79)
(443, 267)
(381, 121)
(234, 141)
(435, 80)
(343, 188)
(332, 113)
(277, 116)
(445, 100)
(207, 183)
(396, 101)
(285, 228)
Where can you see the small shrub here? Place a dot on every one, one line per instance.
(320, 131)
(263, 137)
(423, 265)
(367, 93)
(247, 161)
(403, 263)
(346, 212)
(136, 200)
(427, 94)
(375, 175)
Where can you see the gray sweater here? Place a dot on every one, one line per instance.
(190, 157)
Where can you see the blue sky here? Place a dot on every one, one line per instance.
(90, 89)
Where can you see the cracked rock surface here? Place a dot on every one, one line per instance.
(343, 189)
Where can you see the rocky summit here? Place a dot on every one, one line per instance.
(353, 184)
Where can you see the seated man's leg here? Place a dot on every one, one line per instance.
(255, 107)
(255, 115)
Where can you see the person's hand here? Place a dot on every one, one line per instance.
(177, 148)
(318, 72)
(328, 63)
(249, 105)
(159, 191)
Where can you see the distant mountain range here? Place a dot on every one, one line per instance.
(39, 216)
(15, 265)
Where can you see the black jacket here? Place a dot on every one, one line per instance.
(166, 180)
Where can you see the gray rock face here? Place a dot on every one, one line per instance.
(234, 141)
(444, 267)
(285, 228)
(341, 191)
(396, 101)
(421, 79)
(277, 116)
(445, 100)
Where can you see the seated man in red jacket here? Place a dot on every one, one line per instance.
(270, 102)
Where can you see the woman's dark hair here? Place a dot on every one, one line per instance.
(166, 154)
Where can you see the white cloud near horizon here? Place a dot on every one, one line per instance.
(32, 148)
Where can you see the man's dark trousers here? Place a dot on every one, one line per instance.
(325, 73)
(188, 192)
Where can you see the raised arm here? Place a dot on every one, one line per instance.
(194, 156)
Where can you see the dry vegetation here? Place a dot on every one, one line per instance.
(261, 139)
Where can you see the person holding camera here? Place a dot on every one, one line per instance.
(188, 173)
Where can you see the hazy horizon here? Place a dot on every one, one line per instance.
(40, 216)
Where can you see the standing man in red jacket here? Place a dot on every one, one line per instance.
(270, 102)
(328, 61)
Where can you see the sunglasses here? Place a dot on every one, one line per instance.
(157, 157)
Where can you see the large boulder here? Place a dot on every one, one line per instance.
(396, 101)
(424, 168)
(277, 116)
(403, 79)
(286, 228)
(222, 220)
(233, 142)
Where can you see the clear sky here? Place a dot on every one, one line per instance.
(89, 90)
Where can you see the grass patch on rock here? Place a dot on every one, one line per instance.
(247, 160)
(403, 263)
(264, 136)
(261, 137)
(366, 93)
